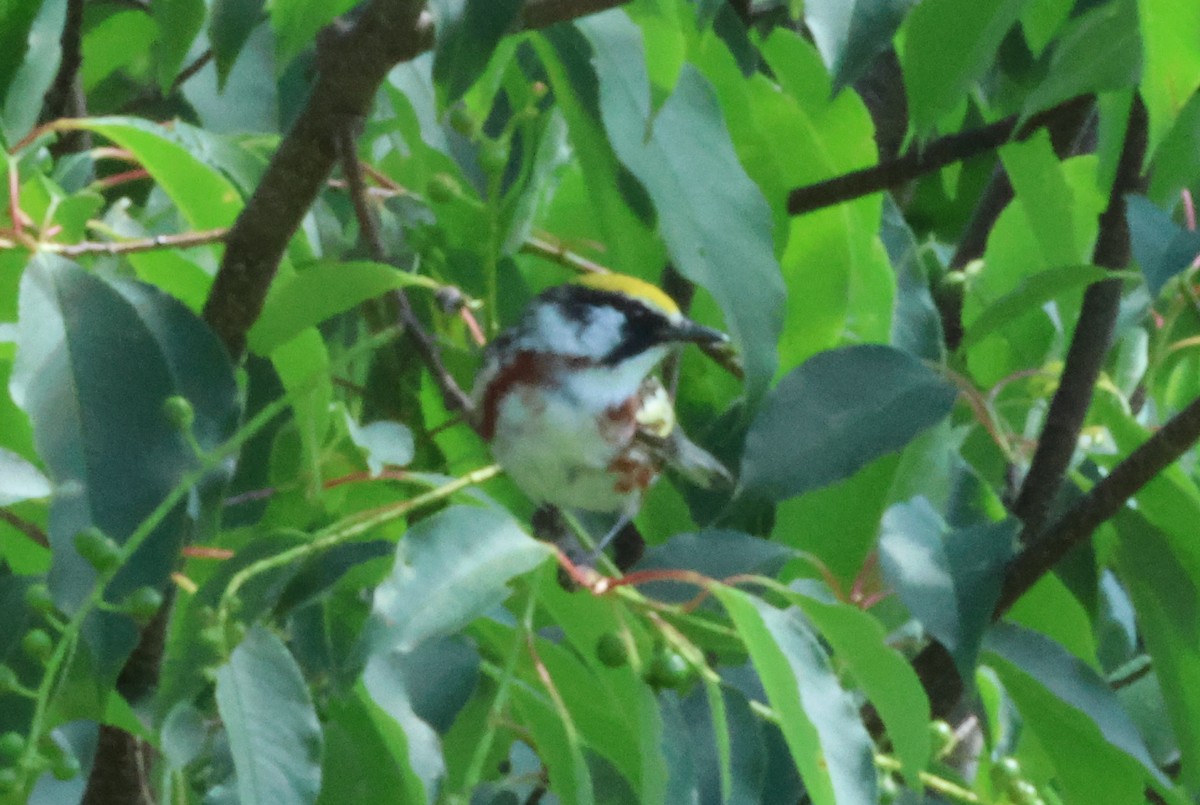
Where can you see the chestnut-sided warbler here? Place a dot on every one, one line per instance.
(568, 401)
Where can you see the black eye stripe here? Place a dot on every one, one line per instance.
(643, 327)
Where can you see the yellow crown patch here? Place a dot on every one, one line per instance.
(632, 286)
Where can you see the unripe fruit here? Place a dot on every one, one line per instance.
(493, 156)
(37, 645)
(38, 598)
(98, 549)
(8, 679)
(668, 669)
(611, 650)
(10, 781)
(11, 744)
(179, 412)
(143, 603)
(941, 737)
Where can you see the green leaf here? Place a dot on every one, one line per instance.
(450, 569)
(179, 21)
(20, 480)
(205, 197)
(1161, 248)
(297, 22)
(116, 42)
(357, 750)
(836, 413)
(948, 46)
(1097, 751)
(1171, 62)
(1100, 51)
(1041, 21)
(1029, 295)
(229, 28)
(851, 33)
(15, 22)
(887, 679)
(662, 151)
(1163, 586)
(820, 721)
(274, 735)
(297, 362)
(948, 578)
(467, 33)
(413, 743)
(1045, 196)
(917, 325)
(558, 746)
(96, 360)
(320, 291)
(36, 37)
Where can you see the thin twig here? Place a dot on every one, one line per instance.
(180, 240)
(454, 398)
(29, 529)
(919, 161)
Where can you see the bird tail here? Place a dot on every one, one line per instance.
(689, 459)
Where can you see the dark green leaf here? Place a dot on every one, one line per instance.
(1057, 693)
(851, 33)
(948, 45)
(116, 42)
(36, 33)
(948, 578)
(820, 721)
(1161, 248)
(450, 569)
(837, 412)
(917, 326)
(1163, 586)
(273, 730)
(467, 33)
(1100, 51)
(96, 361)
(179, 21)
(229, 28)
(736, 264)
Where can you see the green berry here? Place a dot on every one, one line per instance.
(493, 156)
(443, 188)
(143, 603)
(11, 744)
(10, 780)
(8, 679)
(611, 650)
(941, 737)
(179, 412)
(1005, 772)
(37, 645)
(1023, 792)
(98, 549)
(65, 766)
(668, 669)
(38, 598)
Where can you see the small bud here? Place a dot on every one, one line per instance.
(10, 780)
(941, 737)
(462, 121)
(179, 412)
(668, 669)
(65, 766)
(8, 679)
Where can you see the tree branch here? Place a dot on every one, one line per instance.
(1089, 345)
(1044, 548)
(920, 161)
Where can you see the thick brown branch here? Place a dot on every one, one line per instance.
(920, 161)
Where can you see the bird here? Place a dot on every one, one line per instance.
(569, 402)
